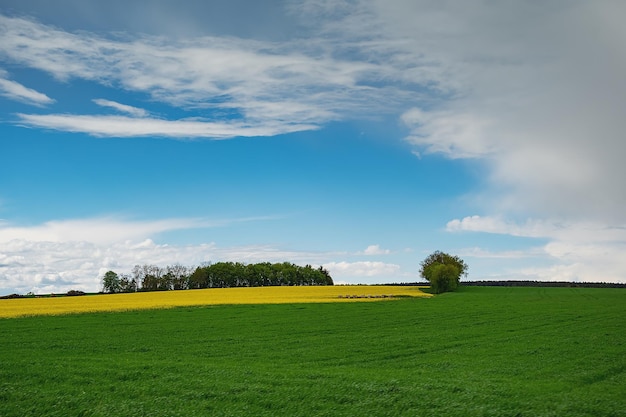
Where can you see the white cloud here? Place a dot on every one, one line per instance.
(107, 230)
(123, 126)
(534, 94)
(124, 108)
(262, 84)
(456, 135)
(487, 224)
(375, 250)
(362, 269)
(102, 230)
(480, 253)
(37, 258)
(589, 262)
(60, 255)
(532, 91)
(578, 231)
(44, 266)
(577, 251)
(17, 91)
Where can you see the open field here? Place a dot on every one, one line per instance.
(214, 296)
(477, 352)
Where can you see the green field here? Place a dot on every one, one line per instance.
(477, 352)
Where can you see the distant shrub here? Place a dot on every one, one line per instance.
(74, 293)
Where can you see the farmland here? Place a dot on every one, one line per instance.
(476, 352)
(215, 296)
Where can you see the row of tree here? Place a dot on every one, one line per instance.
(217, 275)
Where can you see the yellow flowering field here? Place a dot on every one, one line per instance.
(213, 296)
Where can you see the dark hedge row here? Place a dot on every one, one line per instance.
(543, 284)
(563, 284)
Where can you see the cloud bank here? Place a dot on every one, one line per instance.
(44, 266)
(580, 251)
(57, 256)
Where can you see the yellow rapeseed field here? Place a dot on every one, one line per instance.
(214, 296)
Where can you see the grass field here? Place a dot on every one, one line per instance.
(477, 352)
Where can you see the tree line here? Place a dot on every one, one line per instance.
(217, 275)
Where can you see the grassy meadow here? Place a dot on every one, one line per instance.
(476, 352)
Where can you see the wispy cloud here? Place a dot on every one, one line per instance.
(480, 253)
(18, 92)
(264, 84)
(453, 134)
(124, 108)
(498, 225)
(101, 230)
(574, 231)
(123, 126)
(111, 229)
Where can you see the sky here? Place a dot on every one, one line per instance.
(357, 135)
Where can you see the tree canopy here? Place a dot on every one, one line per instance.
(443, 271)
(217, 275)
(111, 282)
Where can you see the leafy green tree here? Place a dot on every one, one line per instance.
(222, 275)
(165, 282)
(127, 283)
(442, 278)
(324, 277)
(179, 276)
(199, 278)
(443, 271)
(150, 283)
(111, 282)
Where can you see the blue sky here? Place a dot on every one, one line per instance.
(359, 135)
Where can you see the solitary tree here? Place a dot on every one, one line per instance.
(443, 271)
(111, 282)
